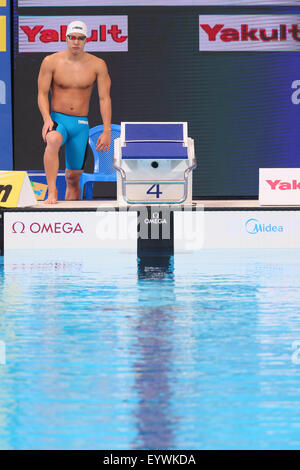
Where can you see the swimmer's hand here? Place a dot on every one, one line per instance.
(103, 143)
(48, 125)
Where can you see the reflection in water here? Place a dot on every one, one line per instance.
(154, 418)
(155, 267)
(102, 356)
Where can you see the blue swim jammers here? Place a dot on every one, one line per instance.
(75, 133)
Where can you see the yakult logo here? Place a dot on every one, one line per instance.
(253, 32)
(39, 34)
(283, 185)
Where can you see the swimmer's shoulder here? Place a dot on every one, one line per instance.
(98, 64)
(51, 60)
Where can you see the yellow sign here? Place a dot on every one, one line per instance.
(2, 33)
(2, 3)
(15, 189)
(39, 190)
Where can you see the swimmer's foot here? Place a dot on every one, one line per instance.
(52, 197)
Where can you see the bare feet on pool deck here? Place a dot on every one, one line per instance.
(52, 197)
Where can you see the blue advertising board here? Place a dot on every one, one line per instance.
(6, 154)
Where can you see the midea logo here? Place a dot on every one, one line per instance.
(254, 226)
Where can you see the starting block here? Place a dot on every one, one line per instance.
(154, 163)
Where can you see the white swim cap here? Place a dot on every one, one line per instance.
(77, 27)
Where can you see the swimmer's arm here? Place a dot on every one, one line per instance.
(103, 83)
(44, 83)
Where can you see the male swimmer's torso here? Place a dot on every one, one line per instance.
(72, 83)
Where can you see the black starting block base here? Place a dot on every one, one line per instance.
(156, 232)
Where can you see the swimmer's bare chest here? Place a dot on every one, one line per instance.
(71, 88)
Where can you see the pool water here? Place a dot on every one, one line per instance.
(194, 352)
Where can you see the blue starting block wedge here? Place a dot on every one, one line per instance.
(154, 163)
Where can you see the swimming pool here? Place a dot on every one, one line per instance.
(194, 352)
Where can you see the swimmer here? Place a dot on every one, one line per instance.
(70, 74)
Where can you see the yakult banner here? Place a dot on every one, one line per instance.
(6, 158)
(249, 33)
(279, 186)
(59, 3)
(48, 33)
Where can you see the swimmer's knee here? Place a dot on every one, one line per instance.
(73, 177)
(54, 139)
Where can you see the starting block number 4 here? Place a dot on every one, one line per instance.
(156, 192)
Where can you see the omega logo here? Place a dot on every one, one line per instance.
(55, 227)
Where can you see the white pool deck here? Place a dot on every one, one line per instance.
(206, 204)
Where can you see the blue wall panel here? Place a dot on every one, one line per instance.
(6, 154)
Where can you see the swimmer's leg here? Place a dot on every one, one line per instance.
(76, 152)
(51, 163)
(73, 185)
